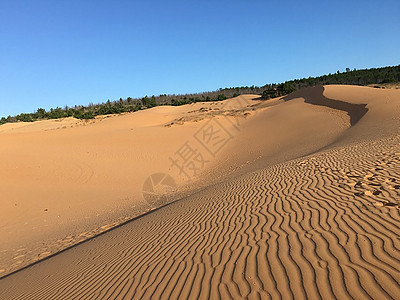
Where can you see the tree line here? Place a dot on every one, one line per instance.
(268, 91)
(350, 77)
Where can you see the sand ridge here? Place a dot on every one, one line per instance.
(306, 211)
(63, 181)
(297, 229)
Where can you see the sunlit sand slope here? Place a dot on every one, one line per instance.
(325, 225)
(63, 181)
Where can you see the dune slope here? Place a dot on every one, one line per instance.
(63, 181)
(295, 218)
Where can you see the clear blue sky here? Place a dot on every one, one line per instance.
(57, 53)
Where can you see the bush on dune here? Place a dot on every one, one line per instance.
(268, 91)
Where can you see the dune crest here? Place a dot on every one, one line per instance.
(302, 202)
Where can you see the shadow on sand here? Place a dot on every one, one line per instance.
(315, 95)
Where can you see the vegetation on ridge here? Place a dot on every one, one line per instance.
(354, 77)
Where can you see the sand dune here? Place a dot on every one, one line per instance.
(301, 202)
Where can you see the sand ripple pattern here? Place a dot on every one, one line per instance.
(321, 227)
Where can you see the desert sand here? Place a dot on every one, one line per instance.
(294, 197)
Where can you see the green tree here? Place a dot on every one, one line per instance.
(41, 113)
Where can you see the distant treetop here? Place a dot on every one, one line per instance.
(268, 91)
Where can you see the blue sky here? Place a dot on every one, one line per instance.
(57, 53)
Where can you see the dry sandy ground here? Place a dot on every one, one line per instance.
(296, 197)
(66, 180)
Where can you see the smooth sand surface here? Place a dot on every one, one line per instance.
(299, 199)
